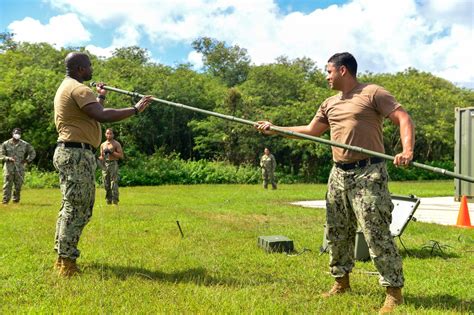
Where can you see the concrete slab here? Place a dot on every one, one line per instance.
(439, 210)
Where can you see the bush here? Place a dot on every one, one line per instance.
(160, 170)
(35, 178)
(416, 173)
(165, 170)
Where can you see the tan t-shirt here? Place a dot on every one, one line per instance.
(72, 123)
(357, 119)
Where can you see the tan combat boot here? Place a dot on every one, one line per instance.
(68, 267)
(340, 286)
(393, 299)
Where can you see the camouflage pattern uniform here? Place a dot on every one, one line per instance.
(76, 167)
(110, 175)
(268, 165)
(14, 172)
(361, 195)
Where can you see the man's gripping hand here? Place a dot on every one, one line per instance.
(263, 127)
(143, 103)
(403, 159)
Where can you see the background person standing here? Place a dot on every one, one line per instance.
(268, 165)
(15, 154)
(110, 153)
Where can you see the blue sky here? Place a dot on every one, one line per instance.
(384, 35)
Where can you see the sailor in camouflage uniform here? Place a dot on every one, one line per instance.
(110, 153)
(268, 165)
(357, 187)
(15, 153)
(77, 113)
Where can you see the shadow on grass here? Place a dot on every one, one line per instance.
(136, 206)
(427, 253)
(31, 204)
(441, 302)
(198, 276)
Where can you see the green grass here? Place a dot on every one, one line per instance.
(135, 261)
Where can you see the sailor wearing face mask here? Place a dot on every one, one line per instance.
(14, 153)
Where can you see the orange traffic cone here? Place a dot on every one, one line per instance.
(463, 216)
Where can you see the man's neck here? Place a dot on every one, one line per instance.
(75, 77)
(349, 86)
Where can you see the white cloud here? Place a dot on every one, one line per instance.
(126, 35)
(448, 12)
(100, 52)
(61, 31)
(384, 36)
(195, 59)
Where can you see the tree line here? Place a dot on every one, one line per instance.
(286, 92)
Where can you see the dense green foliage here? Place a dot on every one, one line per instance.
(134, 260)
(287, 92)
(160, 170)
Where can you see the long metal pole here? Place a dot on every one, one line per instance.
(294, 134)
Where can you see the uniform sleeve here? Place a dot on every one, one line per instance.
(3, 152)
(321, 116)
(274, 163)
(31, 153)
(385, 103)
(83, 95)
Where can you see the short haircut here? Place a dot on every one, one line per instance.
(345, 59)
(74, 60)
(16, 130)
(111, 130)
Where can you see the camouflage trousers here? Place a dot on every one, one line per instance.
(361, 196)
(268, 176)
(110, 176)
(12, 180)
(76, 167)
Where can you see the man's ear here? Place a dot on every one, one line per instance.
(343, 70)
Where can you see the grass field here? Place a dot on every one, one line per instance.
(135, 261)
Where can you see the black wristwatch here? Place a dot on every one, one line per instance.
(136, 110)
(102, 97)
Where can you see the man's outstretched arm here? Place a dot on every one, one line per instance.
(407, 135)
